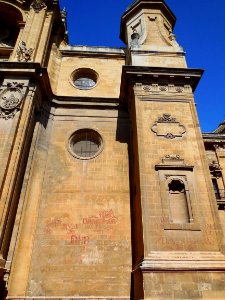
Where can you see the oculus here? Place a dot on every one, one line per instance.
(84, 78)
(85, 143)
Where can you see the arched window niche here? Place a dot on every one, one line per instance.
(179, 205)
(178, 193)
(11, 20)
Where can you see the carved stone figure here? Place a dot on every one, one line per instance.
(24, 54)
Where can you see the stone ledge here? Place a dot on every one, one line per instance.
(182, 261)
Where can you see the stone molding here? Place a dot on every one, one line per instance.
(189, 261)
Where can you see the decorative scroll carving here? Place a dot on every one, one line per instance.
(167, 127)
(166, 89)
(173, 159)
(172, 156)
(180, 177)
(166, 118)
(163, 88)
(169, 136)
(10, 100)
(147, 88)
(38, 5)
(215, 169)
(24, 54)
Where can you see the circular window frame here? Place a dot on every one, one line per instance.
(84, 73)
(82, 130)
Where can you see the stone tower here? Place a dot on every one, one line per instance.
(106, 191)
(177, 240)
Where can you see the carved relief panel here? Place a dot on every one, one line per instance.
(168, 127)
(10, 99)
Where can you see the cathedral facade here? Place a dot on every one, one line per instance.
(109, 190)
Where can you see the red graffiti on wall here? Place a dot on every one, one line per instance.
(59, 224)
(71, 230)
(104, 217)
(77, 239)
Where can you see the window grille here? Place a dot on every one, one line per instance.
(85, 143)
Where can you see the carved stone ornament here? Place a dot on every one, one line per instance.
(38, 5)
(10, 100)
(168, 127)
(172, 159)
(175, 177)
(24, 54)
(172, 156)
(165, 89)
(215, 169)
(166, 118)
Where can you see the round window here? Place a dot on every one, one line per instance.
(85, 144)
(84, 79)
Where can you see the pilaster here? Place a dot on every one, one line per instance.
(20, 99)
(34, 36)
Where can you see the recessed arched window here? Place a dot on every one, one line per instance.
(85, 143)
(10, 22)
(84, 78)
(178, 205)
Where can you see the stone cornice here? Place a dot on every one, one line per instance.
(132, 75)
(213, 137)
(86, 51)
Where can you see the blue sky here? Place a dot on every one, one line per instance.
(200, 30)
